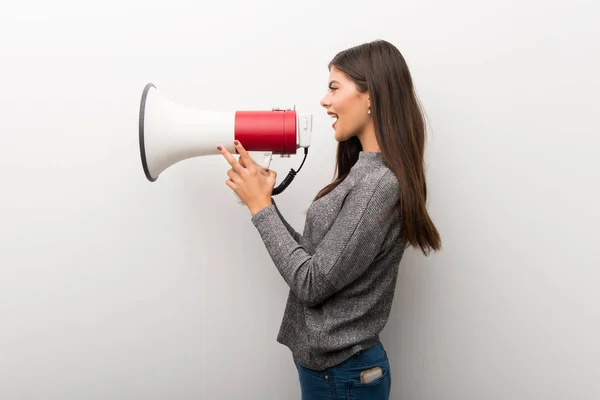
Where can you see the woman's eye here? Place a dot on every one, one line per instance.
(332, 88)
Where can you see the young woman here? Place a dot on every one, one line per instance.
(342, 270)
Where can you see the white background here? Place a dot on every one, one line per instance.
(112, 287)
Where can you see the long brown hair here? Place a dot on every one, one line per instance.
(379, 68)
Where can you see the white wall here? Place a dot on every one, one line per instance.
(112, 287)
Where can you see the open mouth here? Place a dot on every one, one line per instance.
(334, 116)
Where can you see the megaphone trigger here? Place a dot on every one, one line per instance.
(261, 158)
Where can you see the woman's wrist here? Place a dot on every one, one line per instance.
(255, 209)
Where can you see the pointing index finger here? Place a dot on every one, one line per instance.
(230, 159)
(244, 156)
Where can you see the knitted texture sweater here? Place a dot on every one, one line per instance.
(342, 270)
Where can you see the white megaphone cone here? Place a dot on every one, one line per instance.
(170, 132)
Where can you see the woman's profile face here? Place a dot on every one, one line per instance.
(347, 106)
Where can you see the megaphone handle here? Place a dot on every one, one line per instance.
(261, 158)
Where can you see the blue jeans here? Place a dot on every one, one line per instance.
(342, 381)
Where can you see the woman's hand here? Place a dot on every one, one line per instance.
(253, 184)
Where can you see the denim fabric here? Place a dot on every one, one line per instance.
(342, 382)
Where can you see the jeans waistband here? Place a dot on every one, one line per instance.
(366, 356)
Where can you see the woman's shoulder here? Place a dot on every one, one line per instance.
(380, 179)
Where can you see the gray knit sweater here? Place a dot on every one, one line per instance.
(342, 270)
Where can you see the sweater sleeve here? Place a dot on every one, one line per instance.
(297, 237)
(346, 251)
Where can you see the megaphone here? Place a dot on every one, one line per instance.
(170, 132)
